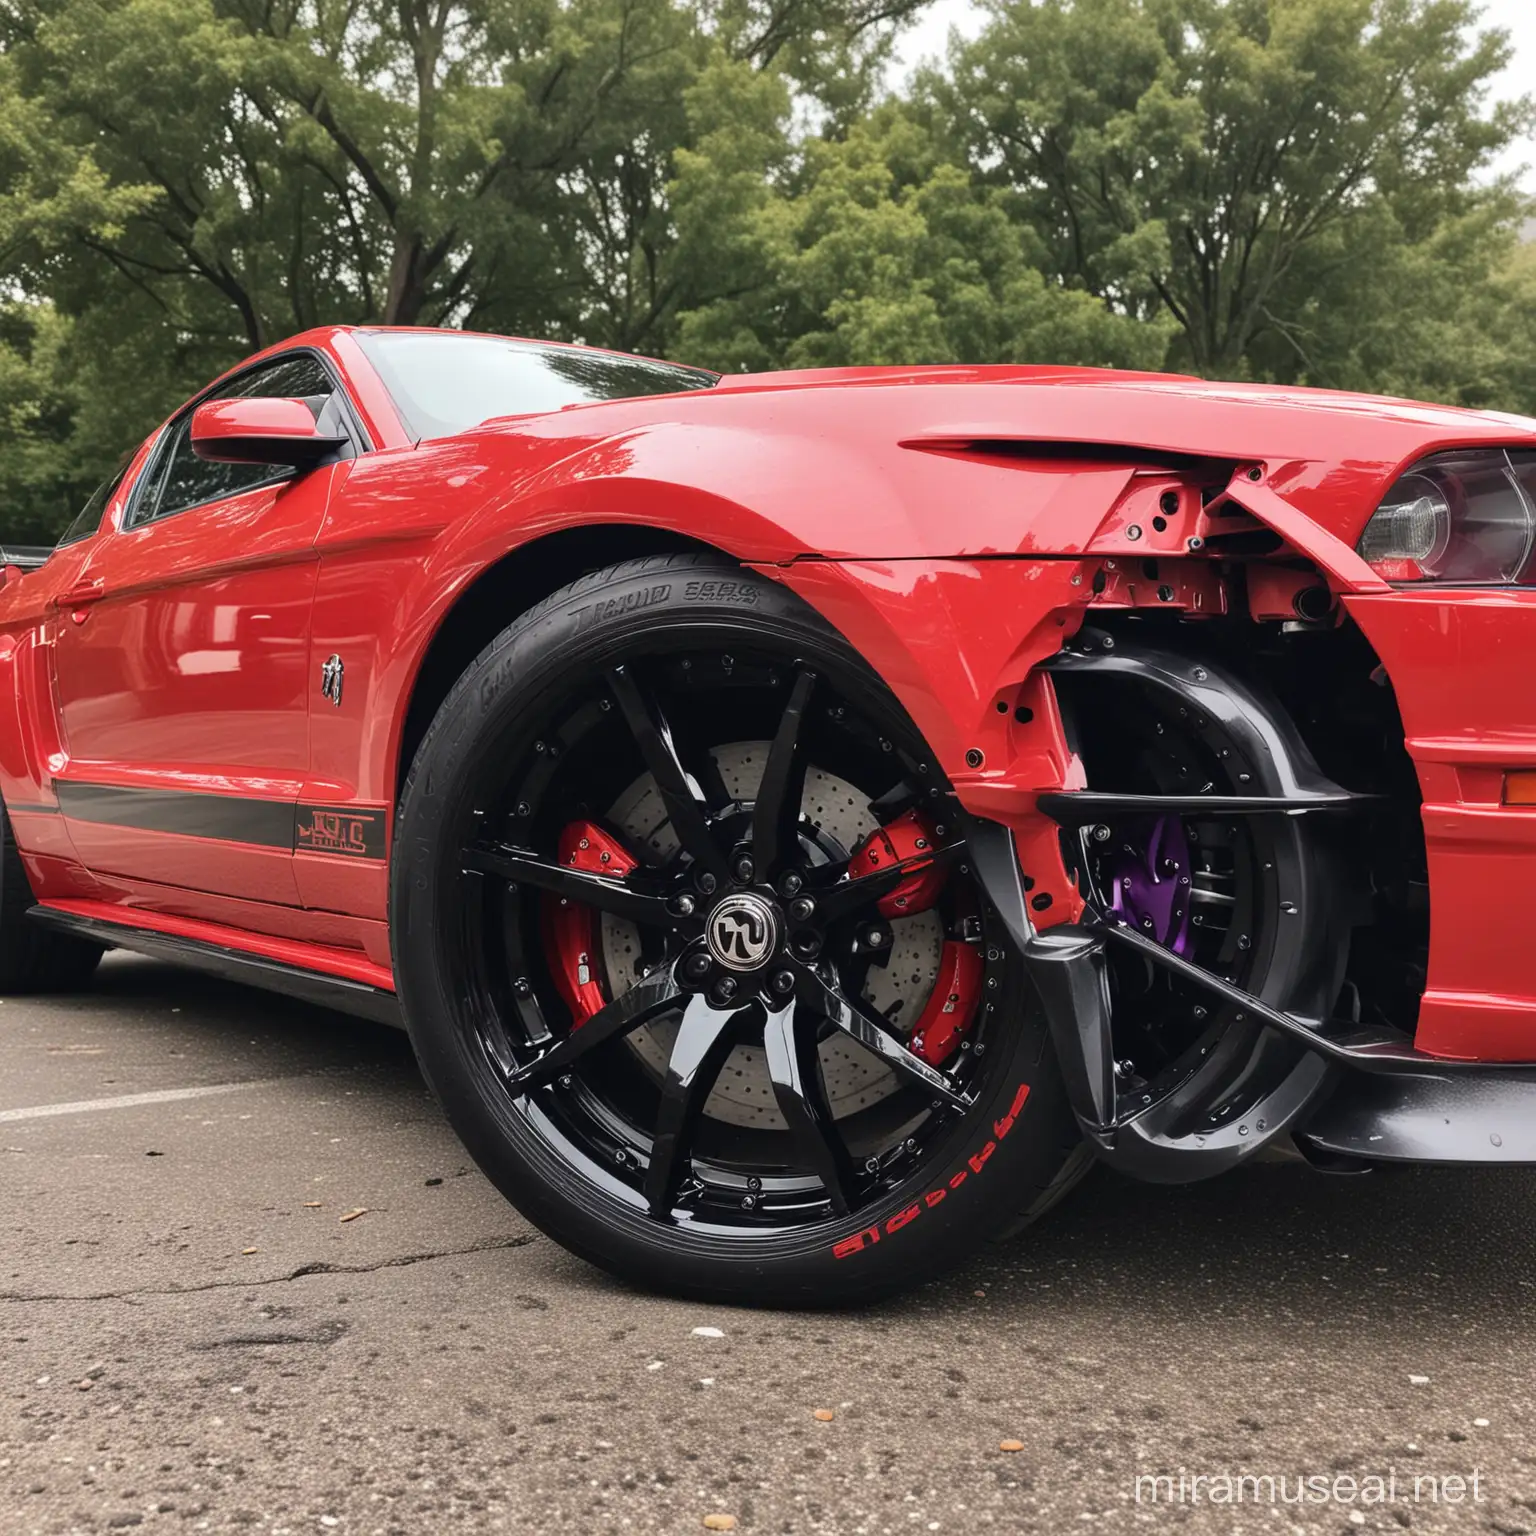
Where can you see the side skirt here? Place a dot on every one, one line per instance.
(339, 992)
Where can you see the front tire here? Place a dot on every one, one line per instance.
(737, 1081)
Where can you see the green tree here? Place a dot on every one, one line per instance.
(874, 250)
(183, 181)
(1258, 170)
(399, 161)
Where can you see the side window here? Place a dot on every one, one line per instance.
(88, 519)
(178, 479)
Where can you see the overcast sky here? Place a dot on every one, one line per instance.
(1518, 17)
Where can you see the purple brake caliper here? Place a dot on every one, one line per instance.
(1148, 880)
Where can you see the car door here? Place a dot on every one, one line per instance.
(181, 666)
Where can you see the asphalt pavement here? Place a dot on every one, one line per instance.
(194, 1337)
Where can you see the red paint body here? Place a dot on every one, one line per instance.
(929, 514)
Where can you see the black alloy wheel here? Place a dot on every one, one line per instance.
(693, 954)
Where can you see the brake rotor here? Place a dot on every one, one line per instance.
(855, 1078)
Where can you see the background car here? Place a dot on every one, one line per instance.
(803, 818)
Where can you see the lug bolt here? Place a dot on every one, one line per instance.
(524, 809)
(783, 982)
(748, 1202)
(697, 966)
(754, 1184)
(744, 869)
(683, 906)
(802, 909)
(706, 882)
(1102, 834)
(725, 989)
(872, 1165)
(808, 946)
(875, 938)
(791, 884)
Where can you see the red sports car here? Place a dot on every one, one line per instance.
(803, 819)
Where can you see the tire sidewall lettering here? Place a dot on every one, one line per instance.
(976, 1162)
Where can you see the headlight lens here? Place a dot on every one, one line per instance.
(1464, 519)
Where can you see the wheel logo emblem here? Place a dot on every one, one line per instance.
(743, 931)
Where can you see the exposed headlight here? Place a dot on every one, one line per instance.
(1465, 519)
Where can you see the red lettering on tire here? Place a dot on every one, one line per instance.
(977, 1161)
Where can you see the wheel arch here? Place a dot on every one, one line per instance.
(519, 580)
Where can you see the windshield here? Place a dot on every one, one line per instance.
(444, 382)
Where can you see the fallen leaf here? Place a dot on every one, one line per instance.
(431, 1182)
(719, 1522)
(708, 1333)
(981, 1294)
(824, 1414)
(362, 1210)
(313, 1205)
(84, 1386)
(248, 1250)
(1010, 1445)
(1419, 1381)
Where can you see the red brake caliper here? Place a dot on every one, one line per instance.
(951, 1005)
(571, 927)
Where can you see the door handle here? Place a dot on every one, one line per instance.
(82, 592)
(79, 597)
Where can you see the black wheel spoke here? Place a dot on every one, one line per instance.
(849, 897)
(608, 893)
(859, 1022)
(704, 1040)
(761, 915)
(776, 813)
(684, 799)
(647, 1000)
(794, 1067)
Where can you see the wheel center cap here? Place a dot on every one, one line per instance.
(743, 931)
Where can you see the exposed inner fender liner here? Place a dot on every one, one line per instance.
(1066, 966)
(1230, 1083)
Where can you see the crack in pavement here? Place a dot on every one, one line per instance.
(400, 1261)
